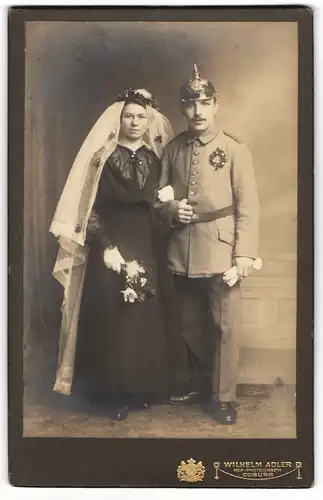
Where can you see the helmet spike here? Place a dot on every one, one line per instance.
(196, 74)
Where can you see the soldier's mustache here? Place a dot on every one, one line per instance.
(198, 119)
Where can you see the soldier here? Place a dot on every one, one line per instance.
(213, 221)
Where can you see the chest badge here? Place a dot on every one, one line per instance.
(218, 158)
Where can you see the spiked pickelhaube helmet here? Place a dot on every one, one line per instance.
(197, 89)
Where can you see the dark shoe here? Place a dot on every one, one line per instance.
(186, 399)
(222, 413)
(120, 413)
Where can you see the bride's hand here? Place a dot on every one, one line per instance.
(113, 259)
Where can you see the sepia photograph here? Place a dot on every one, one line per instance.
(160, 229)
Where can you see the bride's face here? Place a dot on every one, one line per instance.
(134, 121)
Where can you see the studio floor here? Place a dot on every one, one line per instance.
(262, 413)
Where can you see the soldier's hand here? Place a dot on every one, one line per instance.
(244, 266)
(184, 212)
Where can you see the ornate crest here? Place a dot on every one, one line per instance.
(218, 158)
(190, 471)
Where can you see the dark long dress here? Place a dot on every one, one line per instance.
(125, 344)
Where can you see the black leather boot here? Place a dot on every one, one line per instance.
(222, 413)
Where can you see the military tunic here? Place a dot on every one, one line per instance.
(189, 165)
(213, 172)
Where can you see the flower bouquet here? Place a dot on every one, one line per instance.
(137, 286)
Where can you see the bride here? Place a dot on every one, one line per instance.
(108, 257)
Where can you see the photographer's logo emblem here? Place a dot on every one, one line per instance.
(190, 471)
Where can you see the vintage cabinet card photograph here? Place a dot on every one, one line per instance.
(161, 247)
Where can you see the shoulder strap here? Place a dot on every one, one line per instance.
(232, 137)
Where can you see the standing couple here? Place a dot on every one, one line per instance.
(135, 195)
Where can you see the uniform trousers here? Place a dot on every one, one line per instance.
(210, 324)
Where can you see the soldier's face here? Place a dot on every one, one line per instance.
(200, 114)
(134, 121)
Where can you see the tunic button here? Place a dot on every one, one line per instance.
(192, 193)
(196, 153)
(193, 183)
(195, 162)
(194, 172)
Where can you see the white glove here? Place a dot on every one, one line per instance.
(166, 194)
(230, 277)
(113, 259)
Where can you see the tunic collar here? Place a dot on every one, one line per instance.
(205, 138)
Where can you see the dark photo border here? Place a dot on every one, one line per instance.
(142, 462)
